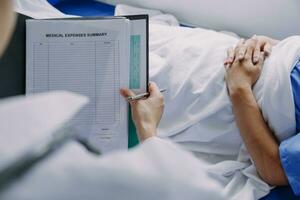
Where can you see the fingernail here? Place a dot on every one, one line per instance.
(255, 59)
(254, 36)
(228, 60)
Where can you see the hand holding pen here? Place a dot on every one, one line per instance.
(141, 96)
(146, 113)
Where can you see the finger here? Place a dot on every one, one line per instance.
(230, 56)
(267, 49)
(251, 45)
(261, 60)
(241, 42)
(154, 90)
(125, 92)
(257, 51)
(239, 45)
(241, 53)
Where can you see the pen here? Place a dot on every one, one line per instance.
(143, 95)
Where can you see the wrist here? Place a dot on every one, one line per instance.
(240, 91)
(145, 131)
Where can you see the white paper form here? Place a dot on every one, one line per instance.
(89, 57)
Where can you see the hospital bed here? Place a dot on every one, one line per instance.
(188, 17)
(208, 17)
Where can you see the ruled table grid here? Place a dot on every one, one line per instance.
(88, 68)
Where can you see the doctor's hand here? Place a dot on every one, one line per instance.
(243, 74)
(146, 113)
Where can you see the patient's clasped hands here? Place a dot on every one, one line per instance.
(244, 63)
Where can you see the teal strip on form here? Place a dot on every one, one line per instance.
(135, 61)
(134, 83)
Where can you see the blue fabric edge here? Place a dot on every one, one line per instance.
(288, 165)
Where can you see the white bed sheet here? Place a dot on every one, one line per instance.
(198, 111)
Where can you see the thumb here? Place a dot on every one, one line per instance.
(153, 89)
(125, 92)
(267, 49)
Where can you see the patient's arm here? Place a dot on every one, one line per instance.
(257, 136)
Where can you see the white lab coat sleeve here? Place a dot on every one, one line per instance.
(156, 169)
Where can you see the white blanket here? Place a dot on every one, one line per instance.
(198, 115)
(189, 62)
(198, 111)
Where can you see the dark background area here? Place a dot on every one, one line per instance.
(12, 64)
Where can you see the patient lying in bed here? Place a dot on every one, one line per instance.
(190, 64)
(202, 116)
(198, 109)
